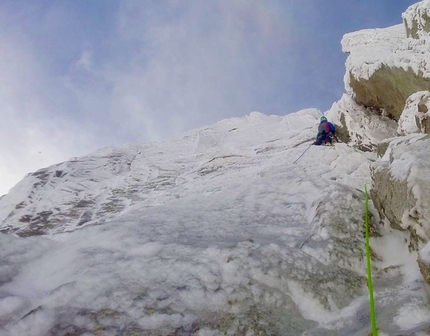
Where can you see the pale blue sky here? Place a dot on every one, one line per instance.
(79, 75)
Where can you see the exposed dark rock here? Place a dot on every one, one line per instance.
(382, 147)
(422, 108)
(342, 129)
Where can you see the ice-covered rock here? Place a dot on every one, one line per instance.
(219, 232)
(77, 192)
(241, 227)
(415, 117)
(217, 229)
(384, 67)
(359, 126)
(417, 19)
(400, 186)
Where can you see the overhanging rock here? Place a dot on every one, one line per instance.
(359, 126)
(387, 89)
(386, 66)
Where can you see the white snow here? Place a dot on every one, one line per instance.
(413, 16)
(370, 49)
(407, 160)
(425, 254)
(219, 231)
(411, 118)
(365, 129)
(208, 222)
(215, 222)
(10, 305)
(411, 316)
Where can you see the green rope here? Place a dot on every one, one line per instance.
(369, 270)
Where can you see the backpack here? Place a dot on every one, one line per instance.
(332, 128)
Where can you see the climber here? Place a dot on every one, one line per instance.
(326, 132)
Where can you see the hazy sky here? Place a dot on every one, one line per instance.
(83, 74)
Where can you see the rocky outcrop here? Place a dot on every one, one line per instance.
(386, 66)
(417, 19)
(400, 187)
(382, 147)
(387, 89)
(359, 126)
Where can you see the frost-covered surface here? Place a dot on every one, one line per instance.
(416, 18)
(384, 67)
(216, 232)
(415, 117)
(365, 129)
(370, 49)
(425, 254)
(407, 165)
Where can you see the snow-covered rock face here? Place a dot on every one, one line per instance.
(359, 126)
(217, 232)
(77, 192)
(92, 189)
(214, 232)
(424, 262)
(401, 189)
(415, 117)
(240, 228)
(384, 67)
(417, 20)
(387, 75)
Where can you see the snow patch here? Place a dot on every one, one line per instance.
(412, 315)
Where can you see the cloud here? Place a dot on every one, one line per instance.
(193, 63)
(31, 134)
(85, 61)
(74, 78)
(158, 69)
